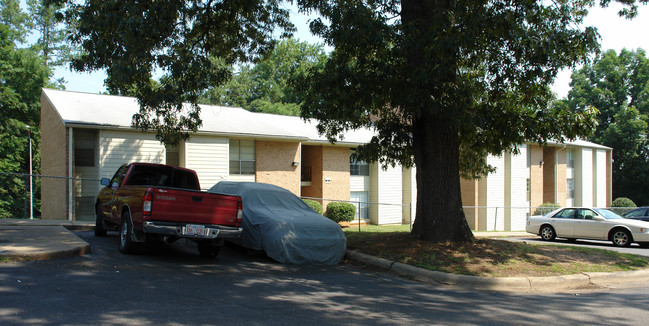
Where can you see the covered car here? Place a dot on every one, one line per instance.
(282, 225)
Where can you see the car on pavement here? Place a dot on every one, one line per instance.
(640, 214)
(589, 223)
(283, 226)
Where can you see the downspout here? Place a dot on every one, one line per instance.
(556, 174)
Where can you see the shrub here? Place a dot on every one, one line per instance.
(341, 212)
(546, 208)
(317, 207)
(623, 202)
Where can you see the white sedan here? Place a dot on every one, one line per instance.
(589, 223)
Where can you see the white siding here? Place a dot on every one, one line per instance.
(120, 147)
(586, 184)
(390, 193)
(241, 177)
(409, 195)
(600, 178)
(359, 183)
(86, 188)
(517, 189)
(409, 209)
(492, 196)
(208, 156)
(413, 185)
(83, 187)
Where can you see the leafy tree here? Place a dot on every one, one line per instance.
(22, 75)
(443, 82)
(52, 43)
(131, 39)
(265, 86)
(611, 83)
(16, 21)
(618, 86)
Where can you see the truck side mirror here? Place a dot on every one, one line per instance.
(105, 182)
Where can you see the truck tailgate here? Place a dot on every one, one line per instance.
(176, 205)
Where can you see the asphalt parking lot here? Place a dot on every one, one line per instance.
(173, 285)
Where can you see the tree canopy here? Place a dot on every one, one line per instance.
(618, 87)
(443, 83)
(192, 44)
(22, 75)
(267, 85)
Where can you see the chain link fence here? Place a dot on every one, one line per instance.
(21, 197)
(27, 203)
(480, 218)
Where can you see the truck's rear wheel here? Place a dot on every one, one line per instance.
(208, 249)
(126, 243)
(100, 231)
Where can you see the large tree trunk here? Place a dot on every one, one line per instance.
(440, 217)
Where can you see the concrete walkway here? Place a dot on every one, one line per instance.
(42, 239)
(49, 239)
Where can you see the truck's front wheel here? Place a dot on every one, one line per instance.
(126, 243)
(208, 249)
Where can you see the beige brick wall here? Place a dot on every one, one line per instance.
(327, 163)
(469, 189)
(536, 175)
(274, 164)
(54, 152)
(549, 174)
(335, 168)
(561, 177)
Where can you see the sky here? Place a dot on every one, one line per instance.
(616, 33)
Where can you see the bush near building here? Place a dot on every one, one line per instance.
(546, 208)
(317, 207)
(623, 202)
(340, 212)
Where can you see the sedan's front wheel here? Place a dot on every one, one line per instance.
(547, 233)
(621, 238)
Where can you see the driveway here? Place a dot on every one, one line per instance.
(175, 286)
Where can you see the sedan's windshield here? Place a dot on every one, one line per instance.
(607, 214)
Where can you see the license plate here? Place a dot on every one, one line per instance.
(192, 229)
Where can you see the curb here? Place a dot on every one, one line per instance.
(40, 242)
(504, 284)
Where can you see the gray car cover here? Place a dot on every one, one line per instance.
(281, 224)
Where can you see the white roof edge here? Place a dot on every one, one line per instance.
(83, 109)
(579, 143)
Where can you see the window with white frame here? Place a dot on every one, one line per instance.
(570, 158)
(570, 188)
(242, 156)
(359, 199)
(358, 167)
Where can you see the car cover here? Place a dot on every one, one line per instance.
(285, 227)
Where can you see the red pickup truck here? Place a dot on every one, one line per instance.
(145, 200)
